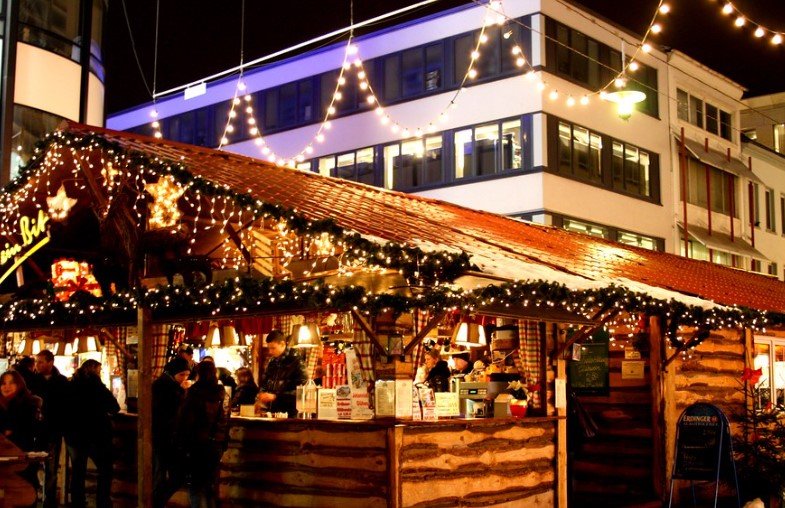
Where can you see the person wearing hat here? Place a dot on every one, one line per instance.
(463, 364)
(168, 394)
(283, 374)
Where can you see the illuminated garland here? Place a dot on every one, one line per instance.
(252, 295)
(413, 263)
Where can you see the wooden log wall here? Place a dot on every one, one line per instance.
(497, 463)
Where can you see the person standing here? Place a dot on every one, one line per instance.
(283, 374)
(89, 432)
(201, 434)
(168, 394)
(52, 387)
(20, 411)
(246, 388)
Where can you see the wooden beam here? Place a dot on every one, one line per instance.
(587, 330)
(656, 355)
(561, 432)
(369, 331)
(239, 243)
(144, 423)
(109, 335)
(430, 325)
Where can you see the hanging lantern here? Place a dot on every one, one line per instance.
(222, 334)
(305, 335)
(469, 334)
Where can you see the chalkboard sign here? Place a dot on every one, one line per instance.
(589, 375)
(700, 438)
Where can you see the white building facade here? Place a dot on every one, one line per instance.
(507, 146)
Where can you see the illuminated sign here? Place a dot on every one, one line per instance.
(31, 230)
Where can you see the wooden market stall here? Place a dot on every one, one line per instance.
(167, 245)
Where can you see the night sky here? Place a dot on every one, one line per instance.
(201, 37)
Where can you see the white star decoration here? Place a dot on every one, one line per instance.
(163, 210)
(60, 204)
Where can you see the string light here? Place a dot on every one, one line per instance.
(740, 19)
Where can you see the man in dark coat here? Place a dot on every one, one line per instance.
(52, 387)
(89, 432)
(168, 395)
(284, 373)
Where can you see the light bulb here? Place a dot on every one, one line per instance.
(337, 96)
(357, 62)
(759, 32)
(516, 50)
(777, 39)
(483, 38)
(154, 113)
(247, 98)
(266, 150)
(520, 61)
(361, 74)
(258, 141)
(570, 101)
(646, 48)
(472, 73)
(394, 127)
(230, 128)
(156, 124)
(224, 140)
(371, 99)
(507, 34)
(531, 75)
(379, 111)
(634, 66)
(309, 149)
(341, 80)
(249, 110)
(363, 85)
(254, 131)
(727, 8)
(541, 85)
(320, 138)
(384, 120)
(236, 101)
(352, 49)
(620, 82)
(331, 110)
(232, 114)
(241, 85)
(584, 100)
(665, 9)
(740, 21)
(475, 54)
(553, 95)
(158, 135)
(327, 125)
(656, 28)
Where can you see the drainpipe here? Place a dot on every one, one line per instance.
(683, 168)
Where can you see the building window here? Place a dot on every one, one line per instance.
(756, 266)
(580, 152)
(572, 55)
(30, 125)
(770, 210)
(773, 269)
(704, 115)
(356, 166)
(644, 242)
(779, 138)
(782, 213)
(756, 203)
(722, 184)
(770, 358)
(630, 166)
(488, 149)
(414, 163)
(585, 228)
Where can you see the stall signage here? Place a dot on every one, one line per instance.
(699, 440)
(31, 230)
(590, 374)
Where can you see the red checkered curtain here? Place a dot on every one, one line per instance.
(364, 348)
(419, 319)
(530, 352)
(159, 334)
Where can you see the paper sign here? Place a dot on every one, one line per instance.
(327, 407)
(576, 352)
(344, 401)
(385, 398)
(416, 409)
(428, 403)
(361, 405)
(133, 383)
(632, 369)
(632, 354)
(403, 398)
(561, 393)
(447, 404)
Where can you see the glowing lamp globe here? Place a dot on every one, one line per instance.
(625, 101)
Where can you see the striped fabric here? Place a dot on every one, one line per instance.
(160, 337)
(528, 363)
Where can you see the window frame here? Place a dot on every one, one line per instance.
(771, 376)
(722, 123)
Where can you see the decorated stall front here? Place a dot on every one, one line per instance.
(134, 250)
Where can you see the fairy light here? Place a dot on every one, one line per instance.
(741, 19)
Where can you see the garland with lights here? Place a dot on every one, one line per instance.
(414, 263)
(248, 295)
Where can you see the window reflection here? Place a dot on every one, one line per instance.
(30, 125)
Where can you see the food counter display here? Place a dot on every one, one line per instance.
(377, 463)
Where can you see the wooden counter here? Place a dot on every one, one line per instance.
(379, 463)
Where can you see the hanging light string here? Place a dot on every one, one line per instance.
(156, 124)
(239, 88)
(740, 19)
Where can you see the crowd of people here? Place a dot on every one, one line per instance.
(40, 408)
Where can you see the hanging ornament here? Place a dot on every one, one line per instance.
(60, 204)
(164, 212)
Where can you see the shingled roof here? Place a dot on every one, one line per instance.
(498, 245)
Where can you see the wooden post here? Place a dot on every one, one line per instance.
(144, 422)
(669, 417)
(394, 446)
(656, 356)
(562, 480)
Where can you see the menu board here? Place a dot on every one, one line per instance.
(589, 375)
(699, 439)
